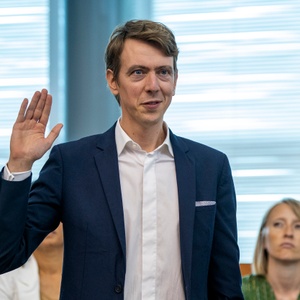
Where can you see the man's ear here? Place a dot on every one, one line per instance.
(112, 83)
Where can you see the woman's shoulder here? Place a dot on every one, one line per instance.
(257, 287)
(254, 279)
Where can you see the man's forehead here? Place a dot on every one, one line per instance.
(144, 54)
(142, 47)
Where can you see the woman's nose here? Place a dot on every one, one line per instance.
(289, 231)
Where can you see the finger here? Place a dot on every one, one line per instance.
(38, 111)
(54, 133)
(22, 110)
(46, 110)
(32, 105)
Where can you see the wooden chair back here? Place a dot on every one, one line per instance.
(245, 269)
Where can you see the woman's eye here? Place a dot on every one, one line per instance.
(277, 224)
(297, 225)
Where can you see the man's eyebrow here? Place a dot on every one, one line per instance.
(165, 67)
(142, 67)
(168, 67)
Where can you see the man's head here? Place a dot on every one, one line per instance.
(154, 33)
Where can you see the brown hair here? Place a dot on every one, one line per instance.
(260, 260)
(154, 33)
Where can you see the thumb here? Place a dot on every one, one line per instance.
(54, 133)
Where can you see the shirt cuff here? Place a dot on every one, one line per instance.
(15, 176)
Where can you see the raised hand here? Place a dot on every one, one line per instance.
(28, 142)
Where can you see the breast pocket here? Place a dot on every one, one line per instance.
(204, 226)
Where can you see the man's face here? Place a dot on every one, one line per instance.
(145, 85)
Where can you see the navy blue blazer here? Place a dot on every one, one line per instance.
(80, 186)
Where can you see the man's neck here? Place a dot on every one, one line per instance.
(149, 138)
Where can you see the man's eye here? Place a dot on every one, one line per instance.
(137, 72)
(164, 72)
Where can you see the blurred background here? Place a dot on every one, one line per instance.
(238, 88)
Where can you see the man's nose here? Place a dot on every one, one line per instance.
(152, 83)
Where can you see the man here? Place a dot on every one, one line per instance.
(146, 214)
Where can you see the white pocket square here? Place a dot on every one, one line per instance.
(205, 203)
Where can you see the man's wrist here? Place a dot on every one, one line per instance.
(15, 176)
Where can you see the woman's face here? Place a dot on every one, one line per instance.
(282, 234)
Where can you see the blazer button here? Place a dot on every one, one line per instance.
(118, 289)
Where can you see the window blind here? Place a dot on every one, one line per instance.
(24, 61)
(239, 91)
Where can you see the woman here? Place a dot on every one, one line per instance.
(49, 257)
(276, 266)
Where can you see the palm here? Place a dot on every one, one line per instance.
(28, 140)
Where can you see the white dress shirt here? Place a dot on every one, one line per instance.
(151, 214)
(21, 283)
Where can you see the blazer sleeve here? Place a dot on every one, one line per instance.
(13, 210)
(224, 280)
(27, 215)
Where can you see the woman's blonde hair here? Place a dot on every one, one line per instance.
(260, 260)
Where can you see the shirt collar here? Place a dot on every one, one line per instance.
(122, 140)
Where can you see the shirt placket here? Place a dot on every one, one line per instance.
(149, 228)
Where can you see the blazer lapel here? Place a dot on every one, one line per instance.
(186, 179)
(107, 164)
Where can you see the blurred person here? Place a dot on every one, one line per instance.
(276, 263)
(146, 214)
(49, 257)
(39, 278)
(21, 283)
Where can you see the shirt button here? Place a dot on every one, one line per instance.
(118, 288)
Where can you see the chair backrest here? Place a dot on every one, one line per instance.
(245, 269)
